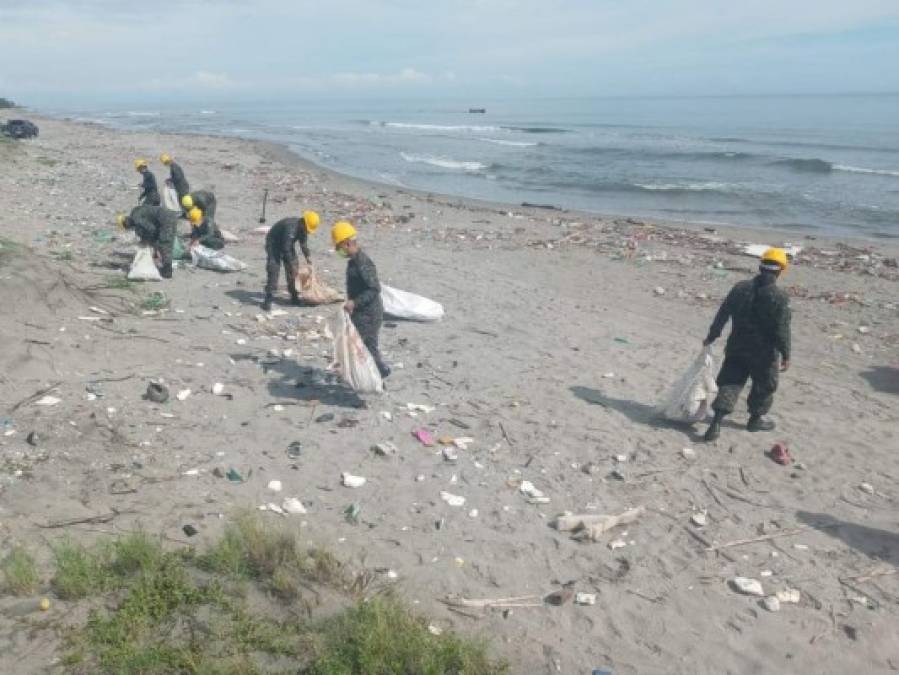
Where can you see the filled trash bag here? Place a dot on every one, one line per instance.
(313, 290)
(353, 360)
(404, 305)
(179, 250)
(690, 399)
(143, 267)
(211, 259)
(170, 198)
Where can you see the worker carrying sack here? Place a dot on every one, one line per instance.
(313, 290)
(211, 259)
(170, 197)
(403, 305)
(143, 267)
(353, 360)
(690, 399)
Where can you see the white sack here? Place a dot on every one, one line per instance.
(170, 198)
(352, 359)
(404, 305)
(313, 290)
(211, 259)
(229, 237)
(690, 399)
(143, 268)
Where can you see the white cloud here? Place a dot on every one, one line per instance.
(206, 80)
(404, 76)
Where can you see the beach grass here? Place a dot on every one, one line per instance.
(238, 607)
(20, 574)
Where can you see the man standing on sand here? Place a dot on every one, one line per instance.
(179, 181)
(149, 193)
(761, 332)
(363, 290)
(203, 231)
(280, 249)
(153, 225)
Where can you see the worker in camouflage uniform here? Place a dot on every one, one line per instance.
(157, 226)
(280, 249)
(179, 181)
(760, 335)
(149, 193)
(203, 200)
(204, 231)
(363, 291)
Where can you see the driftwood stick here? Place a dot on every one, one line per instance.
(36, 395)
(873, 574)
(92, 520)
(754, 540)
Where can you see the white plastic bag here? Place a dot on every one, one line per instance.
(229, 237)
(690, 399)
(313, 290)
(353, 360)
(170, 198)
(404, 305)
(211, 259)
(143, 267)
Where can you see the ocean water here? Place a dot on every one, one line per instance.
(817, 163)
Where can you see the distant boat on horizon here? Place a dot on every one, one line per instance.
(477, 110)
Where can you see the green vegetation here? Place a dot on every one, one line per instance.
(154, 301)
(238, 607)
(119, 282)
(6, 103)
(20, 576)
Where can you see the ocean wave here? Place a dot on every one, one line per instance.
(809, 165)
(141, 113)
(435, 127)
(444, 163)
(705, 186)
(537, 130)
(687, 155)
(858, 169)
(208, 112)
(514, 144)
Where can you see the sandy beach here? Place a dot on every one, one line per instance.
(563, 331)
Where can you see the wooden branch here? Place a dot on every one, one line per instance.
(754, 540)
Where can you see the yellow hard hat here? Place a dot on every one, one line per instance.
(140, 164)
(342, 231)
(776, 257)
(187, 202)
(195, 215)
(121, 219)
(165, 158)
(312, 220)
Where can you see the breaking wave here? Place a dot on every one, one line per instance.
(444, 163)
(858, 169)
(514, 144)
(537, 130)
(435, 127)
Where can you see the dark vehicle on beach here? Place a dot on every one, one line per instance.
(19, 129)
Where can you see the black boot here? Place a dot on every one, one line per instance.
(166, 271)
(296, 301)
(759, 423)
(267, 303)
(714, 430)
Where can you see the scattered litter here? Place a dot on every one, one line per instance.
(47, 401)
(274, 486)
(658, 290)
(592, 526)
(771, 603)
(191, 472)
(351, 513)
(33, 439)
(450, 455)
(864, 330)
(780, 453)
(463, 442)
(293, 505)
(801, 547)
(790, 596)
(425, 437)
(274, 508)
(585, 598)
(609, 376)
(351, 481)
(747, 586)
(157, 392)
(473, 513)
(234, 476)
(534, 495)
(560, 597)
(867, 488)
(183, 395)
(617, 543)
(294, 450)
(218, 389)
(327, 417)
(387, 415)
(190, 530)
(452, 500)
(700, 519)
(420, 407)
(436, 631)
(621, 459)
(688, 453)
(766, 573)
(690, 398)
(384, 449)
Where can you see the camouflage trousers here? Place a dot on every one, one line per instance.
(735, 371)
(274, 261)
(368, 323)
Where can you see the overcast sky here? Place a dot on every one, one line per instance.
(83, 51)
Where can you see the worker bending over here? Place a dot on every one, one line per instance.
(156, 226)
(280, 249)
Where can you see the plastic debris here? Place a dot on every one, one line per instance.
(452, 500)
(157, 392)
(747, 586)
(771, 603)
(790, 595)
(351, 513)
(351, 481)
(327, 417)
(585, 598)
(234, 476)
(294, 450)
(866, 488)
(425, 437)
(47, 401)
(190, 530)
(560, 597)
(450, 455)
(780, 453)
(688, 453)
(420, 407)
(699, 519)
(615, 544)
(592, 526)
(384, 449)
(183, 395)
(463, 442)
(293, 505)
(274, 486)
(218, 389)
